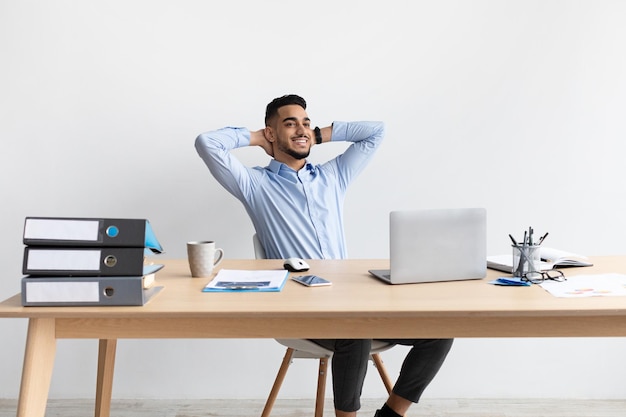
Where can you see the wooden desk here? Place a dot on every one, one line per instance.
(355, 306)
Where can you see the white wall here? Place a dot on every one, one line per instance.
(516, 106)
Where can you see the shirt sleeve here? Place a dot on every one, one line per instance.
(366, 137)
(214, 148)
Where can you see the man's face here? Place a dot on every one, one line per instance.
(292, 132)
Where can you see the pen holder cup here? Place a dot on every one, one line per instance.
(526, 259)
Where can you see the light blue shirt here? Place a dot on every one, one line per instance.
(295, 213)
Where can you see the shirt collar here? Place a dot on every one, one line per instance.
(276, 166)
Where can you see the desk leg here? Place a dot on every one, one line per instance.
(104, 383)
(37, 370)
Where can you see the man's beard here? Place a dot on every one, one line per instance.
(298, 155)
(293, 153)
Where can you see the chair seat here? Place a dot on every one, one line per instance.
(304, 348)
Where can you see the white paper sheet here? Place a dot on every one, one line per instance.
(599, 285)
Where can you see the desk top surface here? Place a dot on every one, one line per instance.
(354, 293)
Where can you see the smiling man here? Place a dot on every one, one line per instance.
(290, 131)
(296, 207)
(297, 211)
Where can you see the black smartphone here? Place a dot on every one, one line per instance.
(311, 280)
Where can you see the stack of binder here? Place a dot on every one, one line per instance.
(88, 261)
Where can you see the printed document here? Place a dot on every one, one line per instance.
(244, 280)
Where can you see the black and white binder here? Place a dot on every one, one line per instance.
(95, 232)
(66, 261)
(86, 291)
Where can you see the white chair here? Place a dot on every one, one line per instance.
(302, 348)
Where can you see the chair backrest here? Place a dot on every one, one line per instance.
(259, 252)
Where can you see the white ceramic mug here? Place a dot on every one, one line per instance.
(203, 256)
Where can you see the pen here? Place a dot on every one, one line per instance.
(542, 238)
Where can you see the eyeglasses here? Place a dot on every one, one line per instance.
(539, 277)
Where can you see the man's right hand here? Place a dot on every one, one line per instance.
(257, 138)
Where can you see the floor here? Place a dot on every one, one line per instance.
(304, 408)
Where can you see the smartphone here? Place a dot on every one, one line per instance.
(311, 280)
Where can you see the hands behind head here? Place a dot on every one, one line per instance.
(259, 138)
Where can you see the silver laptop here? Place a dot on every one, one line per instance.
(436, 245)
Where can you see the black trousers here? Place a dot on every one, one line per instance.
(349, 366)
